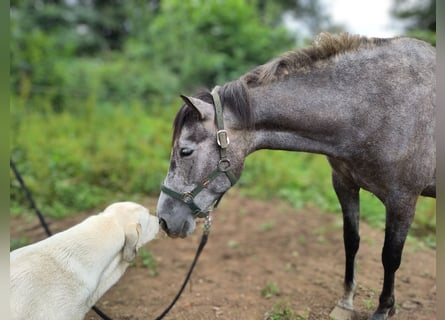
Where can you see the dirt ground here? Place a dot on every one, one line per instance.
(254, 245)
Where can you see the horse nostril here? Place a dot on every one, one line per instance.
(163, 224)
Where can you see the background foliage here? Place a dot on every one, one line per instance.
(94, 92)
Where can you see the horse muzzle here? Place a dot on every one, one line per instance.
(173, 230)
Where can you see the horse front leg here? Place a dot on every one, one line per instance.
(399, 216)
(348, 196)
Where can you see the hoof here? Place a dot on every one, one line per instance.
(378, 315)
(341, 313)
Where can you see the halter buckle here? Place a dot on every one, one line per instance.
(222, 138)
(187, 197)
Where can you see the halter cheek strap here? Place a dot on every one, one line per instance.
(223, 167)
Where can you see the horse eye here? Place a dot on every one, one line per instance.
(185, 152)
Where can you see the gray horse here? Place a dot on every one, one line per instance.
(367, 104)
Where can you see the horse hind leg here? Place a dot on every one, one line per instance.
(348, 196)
(400, 210)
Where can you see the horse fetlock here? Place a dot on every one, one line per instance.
(386, 304)
(385, 310)
(347, 301)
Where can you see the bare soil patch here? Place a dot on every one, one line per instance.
(253, 243)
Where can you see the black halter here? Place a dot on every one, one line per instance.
(223, 167)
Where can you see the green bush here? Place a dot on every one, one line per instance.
(76, 162)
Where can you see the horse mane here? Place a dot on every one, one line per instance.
(324, 47)
(234, 95)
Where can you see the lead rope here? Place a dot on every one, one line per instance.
(30, 198)
(205, 235)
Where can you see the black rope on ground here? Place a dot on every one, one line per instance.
(100, 313)
(200, 248)
(30, 198)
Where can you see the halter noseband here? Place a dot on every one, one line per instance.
(223, 167)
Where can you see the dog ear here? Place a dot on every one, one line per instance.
(132, 234)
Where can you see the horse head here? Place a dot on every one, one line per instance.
(207, 158)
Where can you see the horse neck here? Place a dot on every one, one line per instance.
(298, 115)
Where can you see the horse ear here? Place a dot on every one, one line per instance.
(204, 109)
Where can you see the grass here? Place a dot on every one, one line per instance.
(18, 243)
(369, 300)
(280, 311)
(266, 226)
(74, 162)
(147, 260)
(270, 290)
(232, 244)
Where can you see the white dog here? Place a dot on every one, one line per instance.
(63, 276)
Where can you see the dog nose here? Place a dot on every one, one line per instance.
(163, 225)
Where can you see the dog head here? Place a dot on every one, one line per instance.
(138, 224)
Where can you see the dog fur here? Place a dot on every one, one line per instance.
(63, 276)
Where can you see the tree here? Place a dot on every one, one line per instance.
(419, 17)
(84, 26)
(208, 42)
(310, 14)
(140, 49)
